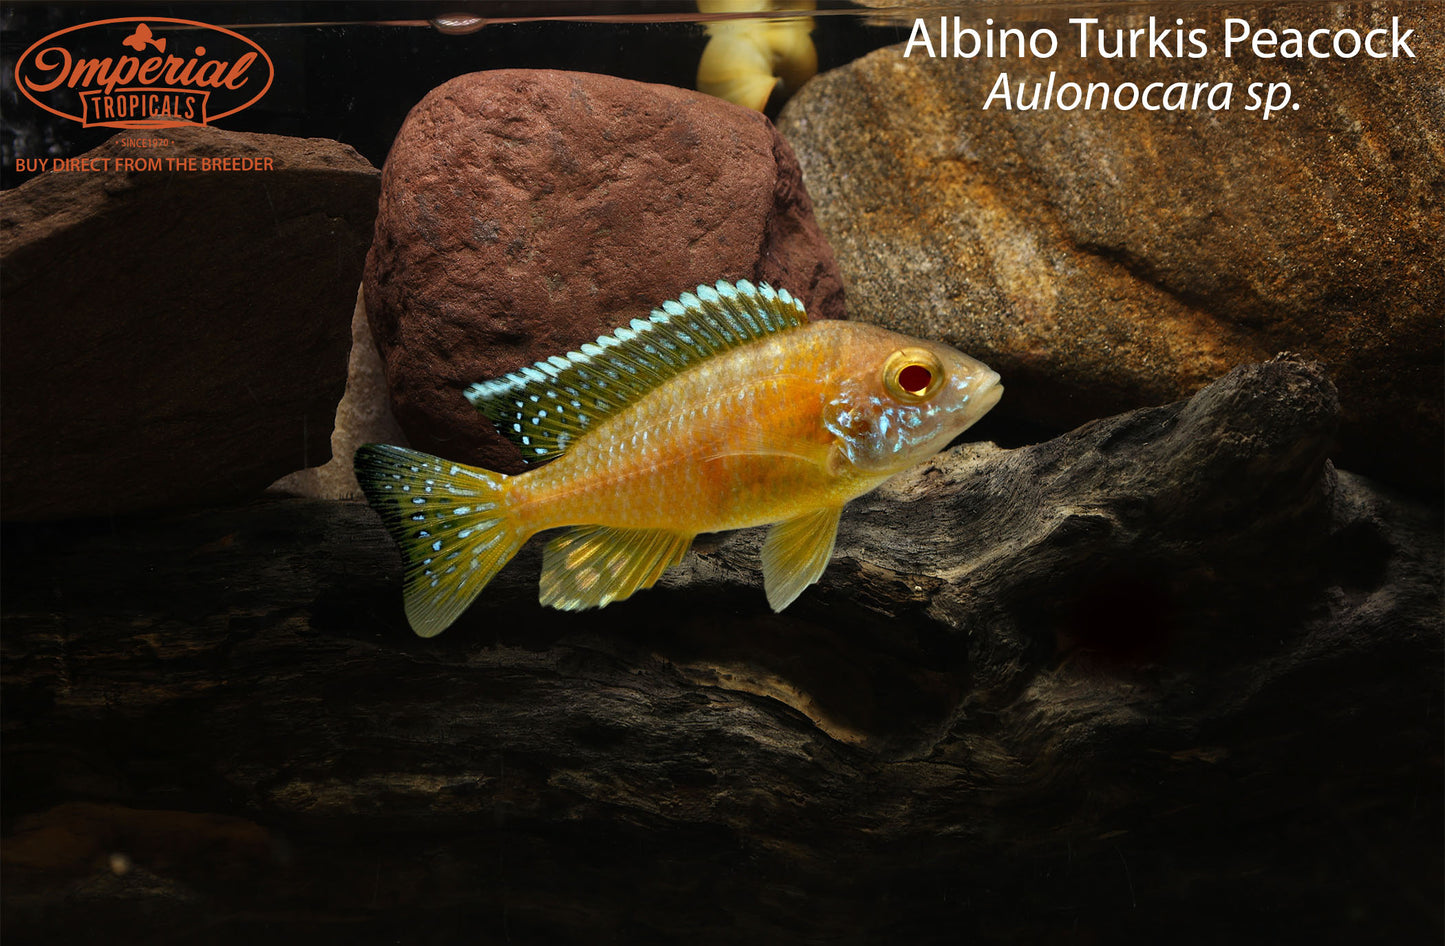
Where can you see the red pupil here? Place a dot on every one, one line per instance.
(915, 379)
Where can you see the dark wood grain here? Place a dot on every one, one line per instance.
(1168, 678)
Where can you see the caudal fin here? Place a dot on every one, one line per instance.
(450, 522)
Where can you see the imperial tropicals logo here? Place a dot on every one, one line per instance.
(144, 72)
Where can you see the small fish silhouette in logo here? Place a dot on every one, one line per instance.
(142, 38)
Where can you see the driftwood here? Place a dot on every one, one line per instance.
(1168, 678)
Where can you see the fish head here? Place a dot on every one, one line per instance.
(900, 400)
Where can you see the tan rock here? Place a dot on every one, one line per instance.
(363, 416)
(1106, 259)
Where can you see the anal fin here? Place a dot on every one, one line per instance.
(796, 552)
(592, 566)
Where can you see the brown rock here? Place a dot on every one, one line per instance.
(176, 337)
(524, 213)
(1107, 259)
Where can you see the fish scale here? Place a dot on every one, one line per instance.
(723, 409)
(657, 448)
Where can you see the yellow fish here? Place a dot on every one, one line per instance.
(724, 409)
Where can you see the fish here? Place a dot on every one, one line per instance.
(726, 408)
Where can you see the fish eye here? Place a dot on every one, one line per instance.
(912, 374)
(915, 379)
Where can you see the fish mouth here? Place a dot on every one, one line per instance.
(985, 394)
(989, 394)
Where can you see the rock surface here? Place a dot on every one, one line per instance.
(146, 365)
(1169, 677)
(525, 212)
(1101, 260)
(363, 416)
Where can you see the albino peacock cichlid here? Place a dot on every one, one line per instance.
(723, 410)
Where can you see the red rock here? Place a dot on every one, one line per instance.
(525, 212)
(176, 337)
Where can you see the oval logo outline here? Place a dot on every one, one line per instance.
(145, 123)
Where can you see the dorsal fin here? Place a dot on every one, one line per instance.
(546, 407)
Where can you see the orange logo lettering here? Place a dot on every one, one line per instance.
(144, 72)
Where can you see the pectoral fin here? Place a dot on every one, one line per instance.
(796, 552)
(592, 566)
